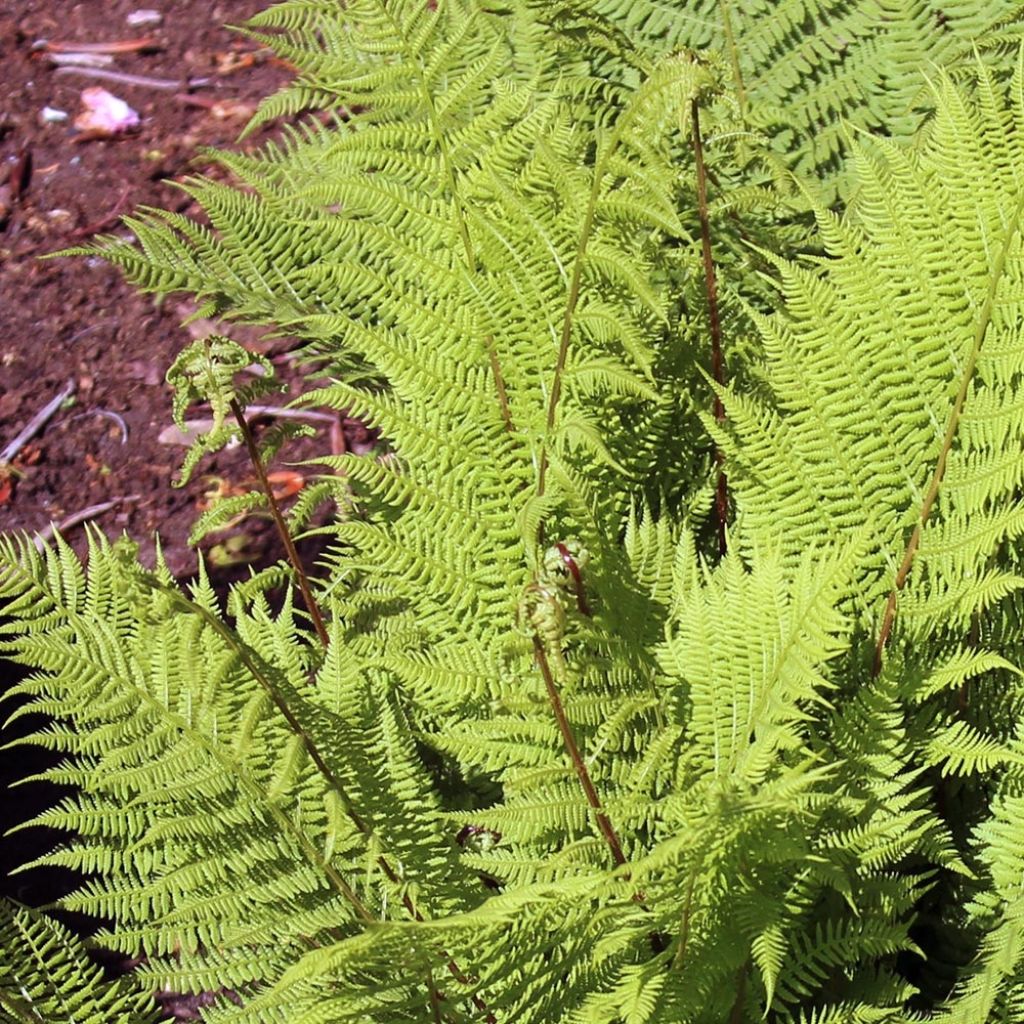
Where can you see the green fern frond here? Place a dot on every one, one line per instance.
(803, 69)
(943, 250)
(46, 977)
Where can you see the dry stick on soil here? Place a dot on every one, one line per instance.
(282, 527)
(116, 46)
(310, 415)
(43, 535)
(711, 289)
(984, 319)
(37, 423)
(124, 78)
(109, 220)
(107, 414)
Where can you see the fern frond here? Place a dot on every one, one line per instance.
(803, 69)
(46, 977)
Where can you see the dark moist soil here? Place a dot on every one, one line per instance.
(76, 321)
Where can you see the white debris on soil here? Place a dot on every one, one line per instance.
(144, 16)
(105, 113)
(51, 115)
(81, 60)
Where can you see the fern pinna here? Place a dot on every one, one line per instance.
(526, 745)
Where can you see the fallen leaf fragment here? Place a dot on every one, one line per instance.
(228, 110)
(284, 483)
(230, 61)
(193, 428)
(105, 114)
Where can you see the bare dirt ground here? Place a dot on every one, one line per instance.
(74, 322)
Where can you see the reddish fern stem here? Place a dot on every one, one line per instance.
(952, 426)
(282, 527)
(579, 765)
(711, 290)
(577, 578)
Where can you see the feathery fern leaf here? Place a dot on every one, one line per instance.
(47, 978)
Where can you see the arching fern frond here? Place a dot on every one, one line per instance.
(46, 977)
(916, 312)
(802, 68)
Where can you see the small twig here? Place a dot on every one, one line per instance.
(20, 176)
(107, 414)
(204, 102)
(116, 46)
(37, 423)
(43, 535)
(108, 221)
(81, 60)
(291, 414)
(112, 322)
(282, 527)
(124, 78)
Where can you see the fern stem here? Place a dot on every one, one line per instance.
(282, 527)
(684, 931)
(251, 661)
(248, 659)
(435, 999)
(736, 1013)
(579, 765)
(711, 290)
(563, 345)
(499, 384)
(984, 319)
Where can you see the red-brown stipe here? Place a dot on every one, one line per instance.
(577, 578)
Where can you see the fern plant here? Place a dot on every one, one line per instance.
(664, 664)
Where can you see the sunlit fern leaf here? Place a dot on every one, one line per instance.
(46, 977)
(931, 259)
(749, 686)
(182, 734)
(803, 68)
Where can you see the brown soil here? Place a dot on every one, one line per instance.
(75, 320)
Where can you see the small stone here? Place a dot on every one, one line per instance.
(144, 16)
(51, 115)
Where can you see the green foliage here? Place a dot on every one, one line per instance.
(45, 976)
(555, 756)
(803, 69)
